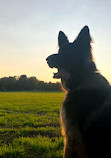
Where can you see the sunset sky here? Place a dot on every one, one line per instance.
(29, 31)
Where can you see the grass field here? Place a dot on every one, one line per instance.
(29, 125)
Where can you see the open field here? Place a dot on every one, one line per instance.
(29, 125)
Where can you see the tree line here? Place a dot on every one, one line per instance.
(24, 83)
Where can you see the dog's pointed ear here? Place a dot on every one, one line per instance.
(84, 41)
(62, 39)
(84, 35)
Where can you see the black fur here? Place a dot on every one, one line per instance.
(86, 111)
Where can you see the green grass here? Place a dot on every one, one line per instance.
(29, 125)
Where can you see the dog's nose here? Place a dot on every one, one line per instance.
(50, 57)
(47, 58)
(49, 61)
(52, 60)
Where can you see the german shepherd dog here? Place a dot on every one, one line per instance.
(86, 110)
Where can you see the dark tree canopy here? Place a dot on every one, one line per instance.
(24, 83)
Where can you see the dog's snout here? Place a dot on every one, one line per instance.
(51, 57)
(52, 60)
(47, 58)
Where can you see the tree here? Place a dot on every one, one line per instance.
(23, 83)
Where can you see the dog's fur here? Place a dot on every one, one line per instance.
(86, 111)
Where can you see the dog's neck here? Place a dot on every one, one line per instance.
(82, 75)
(92, 82)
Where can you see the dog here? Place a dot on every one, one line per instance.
(86, 110)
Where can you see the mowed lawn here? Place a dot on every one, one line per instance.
(30, 125)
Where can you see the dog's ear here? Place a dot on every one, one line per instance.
(84, 41)
(84, 35)
(62, 39)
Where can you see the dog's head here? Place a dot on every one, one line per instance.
(73, 60)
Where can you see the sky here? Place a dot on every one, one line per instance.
(29, 31)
